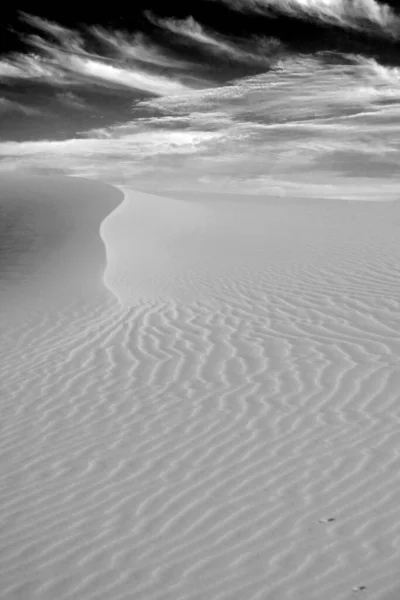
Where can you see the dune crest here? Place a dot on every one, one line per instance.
(229, 429)
(49, 235)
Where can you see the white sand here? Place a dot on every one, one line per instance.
(187, 430)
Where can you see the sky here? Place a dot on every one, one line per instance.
(281, 97)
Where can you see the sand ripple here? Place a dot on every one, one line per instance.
(241, 444)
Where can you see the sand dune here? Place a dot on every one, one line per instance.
(220, 420)
(49, 235)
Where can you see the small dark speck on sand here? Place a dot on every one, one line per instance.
(329, 520)
(359, 588)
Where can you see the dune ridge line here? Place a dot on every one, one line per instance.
(229, 428)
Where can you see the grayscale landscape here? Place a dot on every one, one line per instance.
(200, 302)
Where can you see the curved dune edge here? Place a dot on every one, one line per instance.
(230, 430)
(147, 239)
(50, 247)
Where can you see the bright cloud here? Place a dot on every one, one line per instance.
(352, 14)
(63, 58)
(137, 47)
(254, 51)
(309, 121)
(306, 123)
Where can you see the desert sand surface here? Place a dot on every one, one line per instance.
(199, 395)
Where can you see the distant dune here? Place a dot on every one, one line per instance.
(199, 399)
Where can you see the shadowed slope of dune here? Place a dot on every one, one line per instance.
(230, 430)
(49, 234)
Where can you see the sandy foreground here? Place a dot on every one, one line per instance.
(200, 396)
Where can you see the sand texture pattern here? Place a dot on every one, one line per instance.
(199, 398)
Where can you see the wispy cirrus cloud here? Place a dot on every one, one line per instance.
(298, 92)
(60, 56)
(138, 47)
(361, 15)
(67, 69)
(307, 126)
(252, 51)
(12, 106)
(315, 123)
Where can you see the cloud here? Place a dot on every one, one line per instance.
(68, 69)
(71, 100)
(316, 123)
(11, 106)
(64, 58)
(253, 51)
(59, 56)
(102, 72)
(362, 15)
(137, 47)
(63, 34)
(120, 44)
(307, 126)
(126, 144)
(27, 66)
